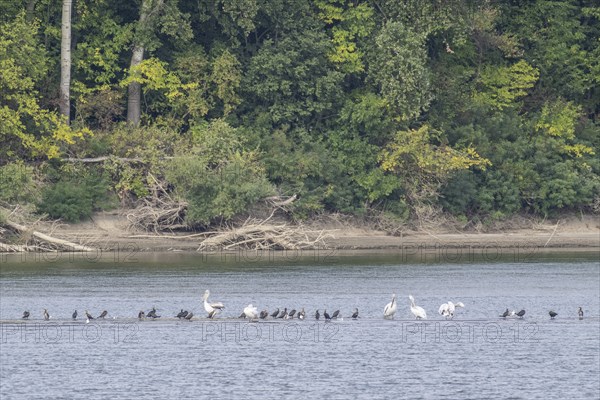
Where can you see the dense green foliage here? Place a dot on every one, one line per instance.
(72, 194)
(481, 108)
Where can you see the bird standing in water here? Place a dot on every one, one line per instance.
(521, 313)
(141, 315)
(264, 314)
(26, 314)
(317, 315)
(152, 313)
(390, 308)
(103, 314)
(46, 315)
(88, 315)
(355, 313)
(418, 312)
(211, 308)
(275, 313)
(552, 314)
(580, 313)
(74, 316)
(301, 314)
(250, 312)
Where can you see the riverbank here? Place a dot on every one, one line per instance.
(107, 231)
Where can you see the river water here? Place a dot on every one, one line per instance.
(476, 355)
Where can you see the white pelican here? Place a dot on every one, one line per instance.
(211, 308)
(251, 312)
(447, 309)
(390, 308)
(417, 311)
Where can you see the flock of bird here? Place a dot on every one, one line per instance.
(250, 312)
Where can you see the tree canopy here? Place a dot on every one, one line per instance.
(478, 108)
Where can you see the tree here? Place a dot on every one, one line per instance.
(28, 130)
(134, 91)
(65, 61)
(154, 15)
(399, 68)
(422, 166)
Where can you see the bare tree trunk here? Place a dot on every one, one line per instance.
(65, 60)
(30, 10)
(134, 91)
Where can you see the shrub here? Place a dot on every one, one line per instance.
(17, 184)
(67, 200)
(75, 196)
(221, 192)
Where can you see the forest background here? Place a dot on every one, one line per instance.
(399, 112)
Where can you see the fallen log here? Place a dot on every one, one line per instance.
(46, 238)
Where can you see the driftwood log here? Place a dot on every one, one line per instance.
(61, 244)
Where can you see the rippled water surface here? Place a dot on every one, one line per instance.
(476, 355)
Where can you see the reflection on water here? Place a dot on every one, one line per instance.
(475, 355)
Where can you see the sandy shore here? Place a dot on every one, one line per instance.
(107, 231)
